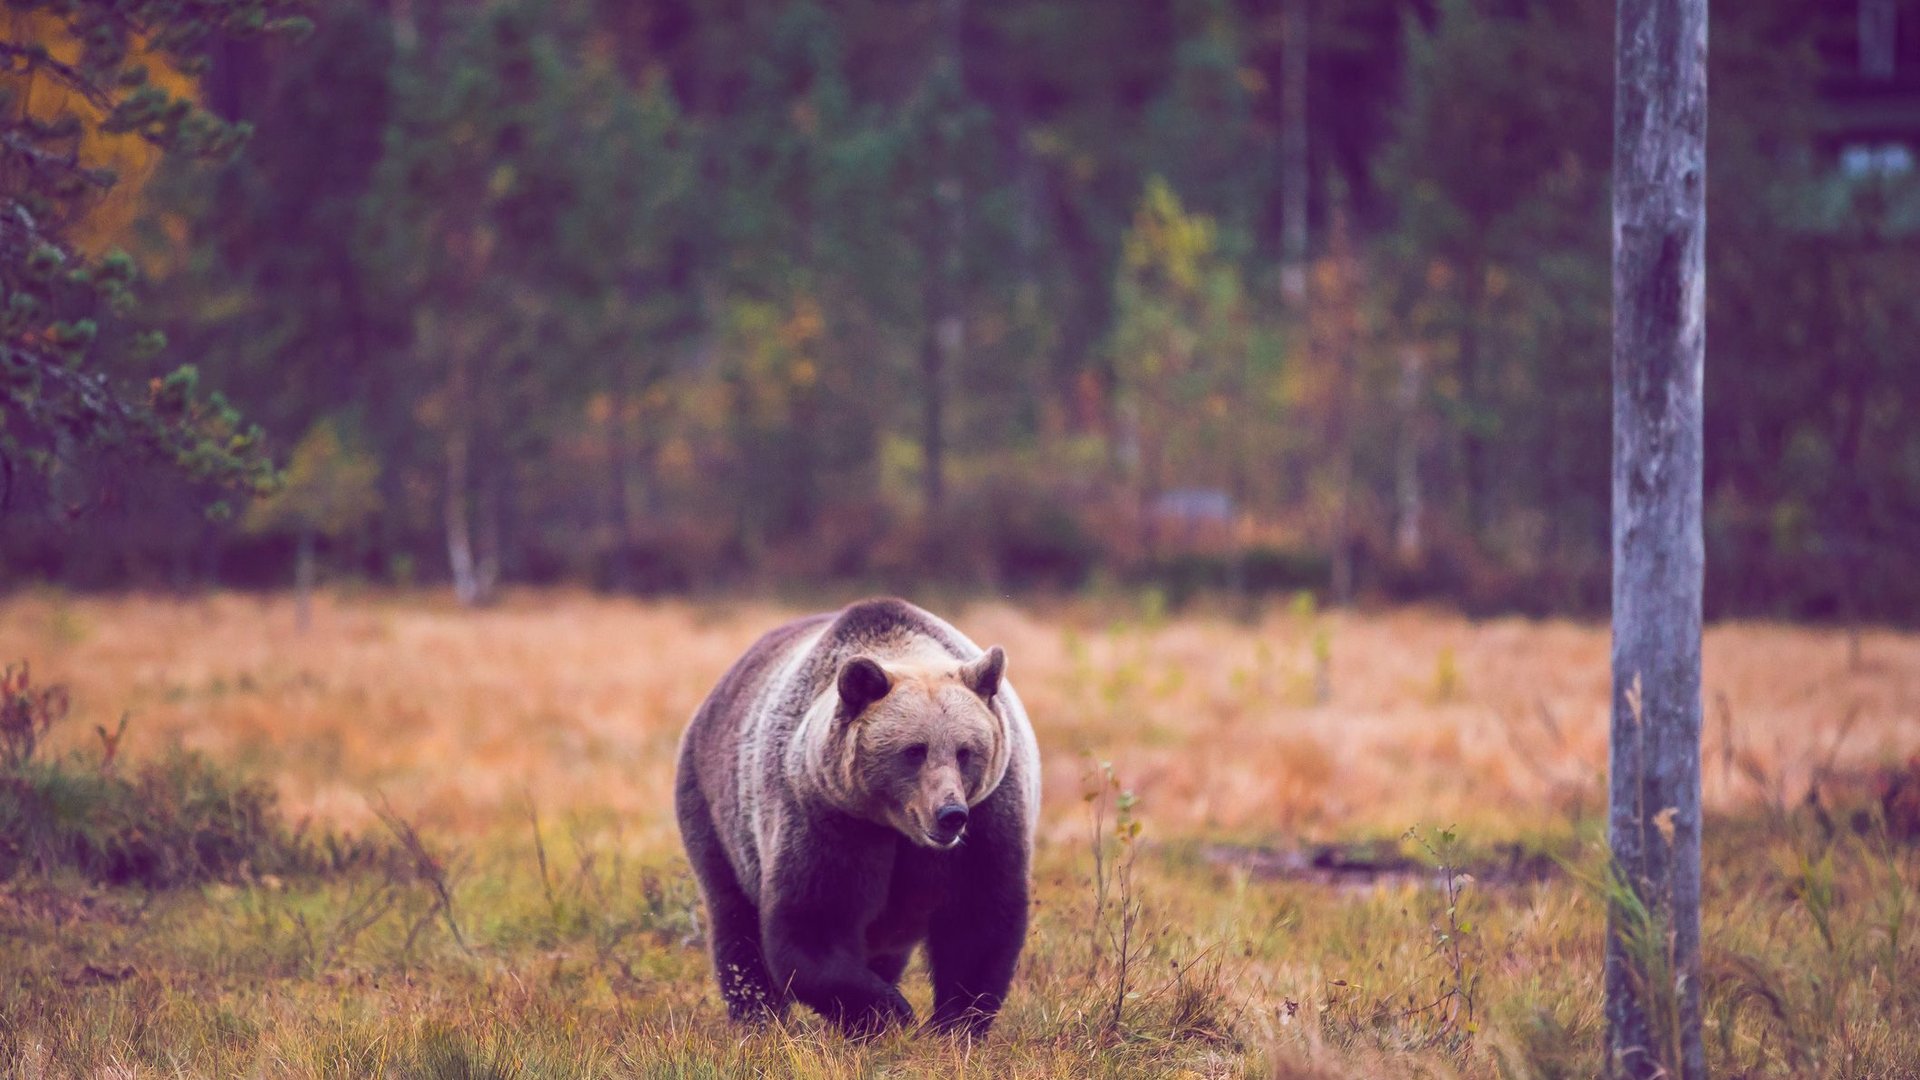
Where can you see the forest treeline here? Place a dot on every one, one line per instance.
(680, 295)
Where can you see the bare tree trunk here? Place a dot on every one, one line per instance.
(941, 352)
(1473, 444)
(932, 415)
(1148, 445)
(1659, 208)
(1340, 316)
(1294, 169)
(619, 471)
(1409, 542)
(1341, 583)
(1083, 377)
(466, 583)
(1295, 270)
(303, 578)
(489, 539)
(1878, 30)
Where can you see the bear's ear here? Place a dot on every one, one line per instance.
(982, 676)
(862, 682)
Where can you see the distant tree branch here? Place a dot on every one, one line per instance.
(33, 58)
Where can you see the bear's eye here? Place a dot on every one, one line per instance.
(962, 756)
(916, 753)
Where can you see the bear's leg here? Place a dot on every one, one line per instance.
(974, 939)
(972, 951)
(826, 969)
(889, 966)
(733, 921)
(824, 889)
(738, 961)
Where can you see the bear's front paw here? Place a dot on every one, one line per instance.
(969, 1021)
(885, 1011)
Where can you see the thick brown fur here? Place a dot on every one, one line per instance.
(819, 787)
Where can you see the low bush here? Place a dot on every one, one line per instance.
(177, 820)
(1254, 571)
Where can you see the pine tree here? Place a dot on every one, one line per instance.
(71, 362)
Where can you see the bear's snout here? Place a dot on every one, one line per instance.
(948, 821)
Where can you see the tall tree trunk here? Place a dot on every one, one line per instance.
(1473, 443)
(801, 455)
(1295, 179)
(932, 420)
(490, 524)
(303, 578)
(1409, 542)
(1878, 38)
(466, 584)
(1339, 311)
(1142, 432)
(619, 473)
(1659, 337)
(393, 433)
(459, 515)
(940, 352)
(1294, 169)
(1082, 376)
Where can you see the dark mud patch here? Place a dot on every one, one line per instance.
(1371, 865)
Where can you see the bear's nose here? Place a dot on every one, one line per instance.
(950, 819)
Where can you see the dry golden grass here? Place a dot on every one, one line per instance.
(1267, 727)
(458, 717)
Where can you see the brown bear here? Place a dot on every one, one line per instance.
(859, 783)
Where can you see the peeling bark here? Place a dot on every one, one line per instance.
(1659, 208)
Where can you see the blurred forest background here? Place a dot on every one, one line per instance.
(1210, 294)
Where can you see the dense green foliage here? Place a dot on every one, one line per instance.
(178, 821)
(676, 294)
(71, 366)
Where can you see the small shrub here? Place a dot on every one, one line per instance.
(1130, 944)
(1253, 571)
(26, 714)
(175, 821)
(1041, 544)
(1452, 940)
(1186, 575)
(1284, 570)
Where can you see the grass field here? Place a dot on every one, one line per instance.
(1299, 779)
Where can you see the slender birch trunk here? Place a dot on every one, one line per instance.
(459, 480)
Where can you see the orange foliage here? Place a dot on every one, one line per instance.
(131, 158)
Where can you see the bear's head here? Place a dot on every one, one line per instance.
(917, 744)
